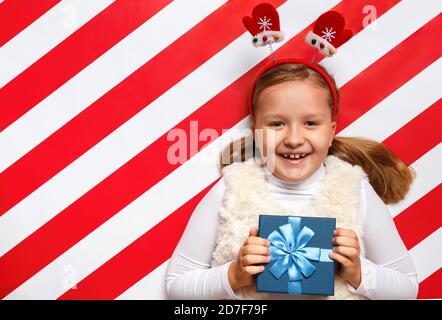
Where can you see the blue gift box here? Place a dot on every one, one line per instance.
(299, 251)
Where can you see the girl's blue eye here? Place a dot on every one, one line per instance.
(310, 123)
(277, 123)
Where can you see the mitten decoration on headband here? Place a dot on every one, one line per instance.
(264, 25)
(328, 33)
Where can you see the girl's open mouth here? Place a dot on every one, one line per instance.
(294, 158)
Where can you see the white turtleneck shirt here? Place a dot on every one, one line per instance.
(387, 270)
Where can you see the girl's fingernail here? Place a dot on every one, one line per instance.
(268, 259)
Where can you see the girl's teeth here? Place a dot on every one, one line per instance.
(294, 156)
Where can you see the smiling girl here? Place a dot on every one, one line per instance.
(301, 169)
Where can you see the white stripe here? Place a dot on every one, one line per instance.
(136, 134)
(100, 76)
(426, 255)
(429, 176)
(130, 223)
(370, 44)
(400, 107)
(44, 34)
(151, 287)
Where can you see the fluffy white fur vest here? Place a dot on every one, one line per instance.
(247, 197)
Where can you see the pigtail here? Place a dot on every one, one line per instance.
(389, 176)
(239, 150)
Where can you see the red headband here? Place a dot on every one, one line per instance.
(327, 35)
(312, 66)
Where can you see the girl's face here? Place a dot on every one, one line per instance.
(294, 118)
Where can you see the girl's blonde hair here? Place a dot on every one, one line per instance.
(390, 176)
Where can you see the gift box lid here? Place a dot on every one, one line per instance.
(318, 236)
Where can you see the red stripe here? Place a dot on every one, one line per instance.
(120, 104)
(17, 15)
(165, 234)
(431, 287)
(140, 181)
(129, 14)
(128, 182)
(390, 72)
(422, 133)
(421, 219)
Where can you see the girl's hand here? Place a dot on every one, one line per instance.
(346, 252)
(251, 257)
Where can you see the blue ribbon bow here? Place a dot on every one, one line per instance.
(289, 247)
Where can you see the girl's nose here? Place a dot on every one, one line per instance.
(293, 137)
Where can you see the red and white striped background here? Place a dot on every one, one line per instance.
(90, 208)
